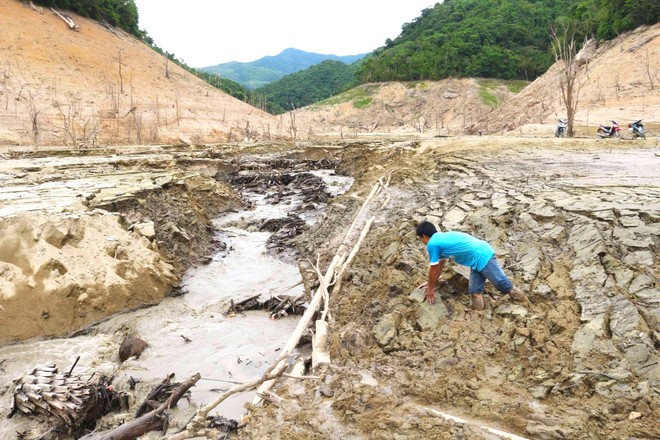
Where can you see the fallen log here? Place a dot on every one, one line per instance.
(152, 421)
(68, 20)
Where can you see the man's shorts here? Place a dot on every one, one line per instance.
(491, 272)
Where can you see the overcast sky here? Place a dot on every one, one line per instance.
(208, 32)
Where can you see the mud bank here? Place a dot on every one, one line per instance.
(87, 237)
(575, 225)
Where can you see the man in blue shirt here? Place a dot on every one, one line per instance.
(468, 251)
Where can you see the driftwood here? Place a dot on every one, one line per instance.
(152, 421)
(251, 303)
(68, 20)
(278, 306)
(160, 392)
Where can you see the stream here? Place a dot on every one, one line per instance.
(188, 334)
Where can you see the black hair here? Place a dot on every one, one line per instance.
(426, 228)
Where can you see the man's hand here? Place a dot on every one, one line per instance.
(430, 295)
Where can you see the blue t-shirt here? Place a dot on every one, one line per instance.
(460, 247)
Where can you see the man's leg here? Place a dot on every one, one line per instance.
(476, 288)
(494, 273)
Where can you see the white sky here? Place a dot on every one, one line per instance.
(208, 32)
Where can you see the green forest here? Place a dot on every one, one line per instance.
(308, 86)
(507, 39)
(118, 13)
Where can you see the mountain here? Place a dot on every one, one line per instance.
(506, 39)
(258, 73)
(308, 86)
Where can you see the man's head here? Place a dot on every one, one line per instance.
(425, 231)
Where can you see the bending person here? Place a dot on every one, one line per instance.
(468, 251)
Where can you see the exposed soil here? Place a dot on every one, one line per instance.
(576, 227)
(101, 86)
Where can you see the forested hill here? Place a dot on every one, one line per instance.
(265, 70)
(506, 39)
(308, 86)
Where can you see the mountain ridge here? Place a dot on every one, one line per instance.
(258, 73)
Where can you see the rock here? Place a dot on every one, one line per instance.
(649, 305)
(606, 215)
(634, 415)
(146, 229)
(131, 346)
(543, 432)
(431, 316)
(391, 253)
(8, 137)
(453, 218)
(584, 337)
(500, 202)
(385, 331)
(539, 392)
(624, 318)
(513, 310)
(640, 258)
(594, 274)
(541, 211)
(640, 282)
(593, 303)
(553, 233)
(587, 242)
(326, 391)
(418, 295)
(529, 260)
(631, 221)
(543, 289)
(55, 234)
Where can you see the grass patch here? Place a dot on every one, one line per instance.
(359, 93)
(362, 103)
(517, 85)
(415, 84)
(487, 96)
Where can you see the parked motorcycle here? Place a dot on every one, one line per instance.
(637, 129)
(562, 126)
(605, 131)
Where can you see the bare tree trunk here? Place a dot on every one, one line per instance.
(565, 50)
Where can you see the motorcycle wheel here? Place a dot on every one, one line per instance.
(617, 134)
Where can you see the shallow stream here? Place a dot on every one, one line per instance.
(187, 334)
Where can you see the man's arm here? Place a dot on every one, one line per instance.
(434, 273)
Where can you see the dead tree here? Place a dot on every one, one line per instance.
(564, 47)
(648, 69)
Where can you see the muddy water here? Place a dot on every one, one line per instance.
(188, 334)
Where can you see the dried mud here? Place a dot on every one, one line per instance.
(576, 226)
